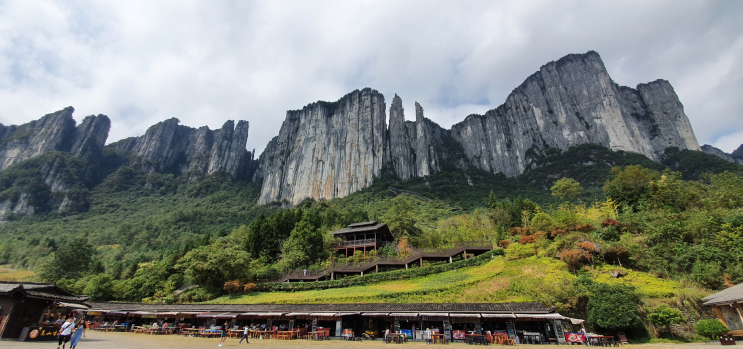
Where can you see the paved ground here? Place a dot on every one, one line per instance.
(101, 340)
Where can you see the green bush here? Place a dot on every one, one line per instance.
(711, 328)
(613, 307)
(519, 251)
(663, 316)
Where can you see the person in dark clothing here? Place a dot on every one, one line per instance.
(223, 333)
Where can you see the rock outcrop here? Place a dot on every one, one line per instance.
(415, 147)
(326, 150)
(570, 102)
(43, 180)
(329, 150)
(53, 132)
(735, 157)
(170, 147)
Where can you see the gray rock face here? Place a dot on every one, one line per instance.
(329, 150)
(415, 147)
(570, 102)
(53, 132)
(735, 157)
(172, 147)
(326, 150)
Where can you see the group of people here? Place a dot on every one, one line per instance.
(223, 334)
(71, 332)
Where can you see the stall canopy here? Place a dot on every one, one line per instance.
(323, 314)
(554, 316)
(464, 315)
(433, 314)
(499, 316)
(346, 314)
(73, 305)
(375, 314)
(404, 314)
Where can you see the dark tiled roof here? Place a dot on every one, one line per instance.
(38, 290)
(46, 295)
(532, 308)
(380, 228)
(729, 295)
(362, 224)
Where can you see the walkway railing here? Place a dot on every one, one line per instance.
(399, 260)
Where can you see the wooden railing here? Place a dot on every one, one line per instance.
(399, 260)
(360, 242)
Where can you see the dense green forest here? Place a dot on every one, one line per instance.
(152, 236)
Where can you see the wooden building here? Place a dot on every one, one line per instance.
(728, 305)
(364, 236)
(452, 320)
(25, 304)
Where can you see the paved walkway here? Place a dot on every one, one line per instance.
(103, 340)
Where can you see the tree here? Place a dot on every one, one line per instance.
(711, 328)
(542, 222)
(212, 265)
(304, 246)
(566, 189)
(664, 316)
(100, 288)
(613, 307)
(399, 217)
(68, 262)
(629, 186)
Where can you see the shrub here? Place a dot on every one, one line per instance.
(711, 328)
(518, 251)
(542, 221)
(609, 222)
(613, 307)
(557, 232)
(573, 258)
(232, 286)
(250, 287)
(663, 316)
(527, 240)
(504, 243)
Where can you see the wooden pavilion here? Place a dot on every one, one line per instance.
(363, 236)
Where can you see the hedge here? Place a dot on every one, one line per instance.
(378, 277)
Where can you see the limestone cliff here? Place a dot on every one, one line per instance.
(570, 102)
(326, 150)
(170, 147)
(43, 162)
(329, 150)
(53, 132)
(415, 147)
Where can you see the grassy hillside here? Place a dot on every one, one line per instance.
(544, 280)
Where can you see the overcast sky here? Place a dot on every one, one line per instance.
(140, 62)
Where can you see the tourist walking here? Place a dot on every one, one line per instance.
(79, 332)
(223, 333)
(245, 336)
(64, 333)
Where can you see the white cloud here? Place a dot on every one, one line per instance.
(205, 62)
(730, 142)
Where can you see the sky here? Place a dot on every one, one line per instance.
(205, 62)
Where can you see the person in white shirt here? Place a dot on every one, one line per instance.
(245, 336)
(64, 333)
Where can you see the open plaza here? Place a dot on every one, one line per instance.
(121, 340)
